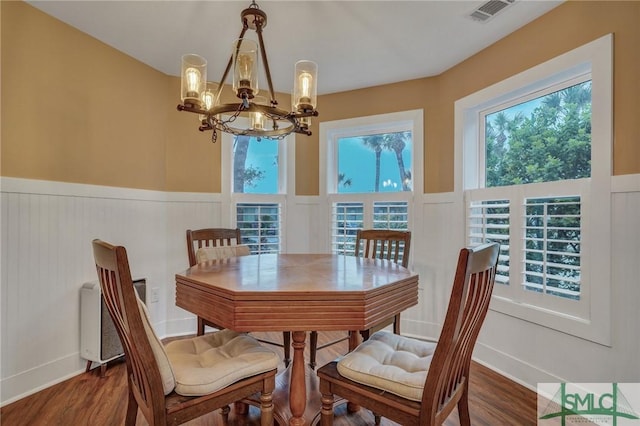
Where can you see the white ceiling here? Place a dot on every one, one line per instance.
(355, 43)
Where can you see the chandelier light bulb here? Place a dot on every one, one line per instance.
(194, 77)
(304, 90)
(257, 117)
(193, 80)
(245, 75)
(245, 65)
(305, 84)
(257, 121)
(208, 99)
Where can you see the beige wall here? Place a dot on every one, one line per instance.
(564, 28)
(76, 110)
(193, 161)
(65, 97)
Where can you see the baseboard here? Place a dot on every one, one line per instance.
(28, 382)
(514, 369)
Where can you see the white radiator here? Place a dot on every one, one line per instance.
(99, 340)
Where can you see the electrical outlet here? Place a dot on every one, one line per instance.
(155, 295)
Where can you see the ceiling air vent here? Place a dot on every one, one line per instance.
(489, 9)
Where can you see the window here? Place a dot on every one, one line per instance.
(535, 152)
(348, 217)
(552, 246)
(254, 179)
(373, 165)
(383, 163)
(544, 139)
(391, 215)
(488, 220)
(259, 226)
(255, 166)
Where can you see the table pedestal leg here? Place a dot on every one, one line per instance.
(354, 341)
(298, 389)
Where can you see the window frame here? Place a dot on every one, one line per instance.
(563, 83)
(332, 131)
(593, 320)
(286, 176)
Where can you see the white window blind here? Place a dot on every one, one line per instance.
(390, 215)
(552, 246)
(347, 218)
(260, 225)
(488, 221)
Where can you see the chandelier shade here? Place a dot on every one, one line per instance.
(194, 78)
(245, 68)
(304, 89)
(265, 118)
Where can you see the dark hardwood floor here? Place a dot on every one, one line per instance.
(88, 399)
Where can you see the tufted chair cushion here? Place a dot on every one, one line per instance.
(208, 363)
(166, 373)
(221, 252)
(390, 362)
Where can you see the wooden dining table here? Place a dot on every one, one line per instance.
(297, 293)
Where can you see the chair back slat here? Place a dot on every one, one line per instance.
(386, 244)
(120, 299)
(468, 306)
(210, 237)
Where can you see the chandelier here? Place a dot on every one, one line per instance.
(266, 119)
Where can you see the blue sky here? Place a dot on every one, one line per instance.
(358, 163)
(263, 155)
(524, 108)
(355, 160)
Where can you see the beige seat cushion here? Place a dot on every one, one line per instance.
(166, 373)
(390, 362)
(221, 252)
(208, 363)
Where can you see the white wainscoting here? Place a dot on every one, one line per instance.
(526, 352)
(436, 238)
(47, 227)
(46, 234)
(307, 222)
(185, 211)
(531, 354)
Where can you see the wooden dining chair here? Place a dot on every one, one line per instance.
(204, 239)
(224, 242)
(414, 382)
(188, 377)
(393, 245)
